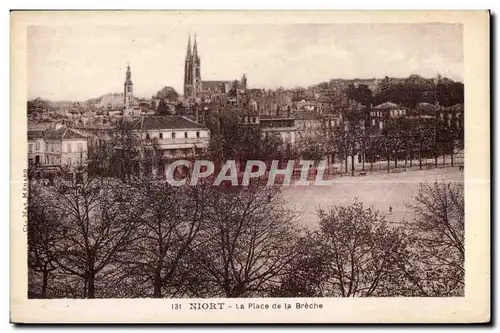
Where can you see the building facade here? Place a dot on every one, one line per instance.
(65, 147)
(171, 137)
(61, 146)
(36, 148)
(56, 151)
(382, 113)
(273, 126)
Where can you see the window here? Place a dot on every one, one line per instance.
(197, 134)
(147, 136)
(30, 147)
(161, 136)
(173, 135)
(185, 135)
(80, 147)
(68, 148)
(37, 145)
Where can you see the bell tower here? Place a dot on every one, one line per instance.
(128, 91)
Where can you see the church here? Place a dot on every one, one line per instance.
(193, 85)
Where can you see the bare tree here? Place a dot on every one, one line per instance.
(43, 225)
(365, 257)
(312, 148)
(171, 220)
(308, 271)
(425, 139)
(354, 128)
(248, 243)
(130, 154)
(355, 133)
(438, 238)
(99, 217)
(340, 142)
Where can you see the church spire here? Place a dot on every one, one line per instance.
(188, 54)
(128, 75)
(195, 48)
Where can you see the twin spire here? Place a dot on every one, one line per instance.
(195, 48)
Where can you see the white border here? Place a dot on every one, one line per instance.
(145, 4)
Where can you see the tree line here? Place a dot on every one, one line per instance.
(400, 139)
(409, 91)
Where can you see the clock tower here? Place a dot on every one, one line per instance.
(128, 95)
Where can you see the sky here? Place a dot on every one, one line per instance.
(78, 62)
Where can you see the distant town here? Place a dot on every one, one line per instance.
(104, 223)
(305, 120)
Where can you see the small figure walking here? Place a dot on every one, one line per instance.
(390, 209)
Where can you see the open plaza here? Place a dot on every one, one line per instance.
(380, 190)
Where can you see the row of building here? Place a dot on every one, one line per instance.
(69, 142)
(181, 136)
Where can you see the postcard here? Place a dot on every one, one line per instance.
(250, 167)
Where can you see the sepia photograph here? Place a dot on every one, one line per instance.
(239, 165)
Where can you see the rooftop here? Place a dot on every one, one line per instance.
(63, 133)
(165, 122)
(456, 107)
(216, 82)
(36, 134)
(427, 107)
(274, 117)
(386, 106)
